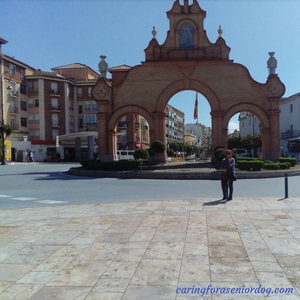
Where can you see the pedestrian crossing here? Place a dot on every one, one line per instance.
(45, 201)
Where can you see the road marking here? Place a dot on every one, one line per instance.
(50, 201)
(24, 198)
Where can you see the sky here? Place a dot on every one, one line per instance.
(50, 33)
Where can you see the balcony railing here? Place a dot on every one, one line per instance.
(54, 107)
(14, 110)
(15, 127)
(54, 92)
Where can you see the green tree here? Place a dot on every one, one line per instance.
(234, 142)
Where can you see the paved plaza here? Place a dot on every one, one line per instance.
(152, 250)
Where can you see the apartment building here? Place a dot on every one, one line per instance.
(60, 103)
(174, 124)
(133, 132)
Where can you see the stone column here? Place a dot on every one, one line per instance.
(219, 134)
(160, 134)
(273, 136)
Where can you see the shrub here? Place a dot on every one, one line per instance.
(250, 165)
(120, 165)
(284, 165)
(270, 165)
(158, 146)
(86, 161)
(141, 153)
(151, 152)
(291, 160)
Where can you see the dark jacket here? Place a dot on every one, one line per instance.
(224, 165)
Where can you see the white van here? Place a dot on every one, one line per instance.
(125, 154)
(240, 151)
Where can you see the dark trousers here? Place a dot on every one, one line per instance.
(227, 184)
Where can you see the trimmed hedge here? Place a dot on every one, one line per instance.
(291, 160)
(120, 165)
(250, 165)
(86, 161)
(269, 165)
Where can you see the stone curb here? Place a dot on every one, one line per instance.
(210, 175)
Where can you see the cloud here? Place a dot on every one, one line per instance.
(233, 125)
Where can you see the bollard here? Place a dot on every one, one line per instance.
(286, 187)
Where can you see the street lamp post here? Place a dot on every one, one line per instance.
(2, 113)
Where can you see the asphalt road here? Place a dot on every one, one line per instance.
(40, 184)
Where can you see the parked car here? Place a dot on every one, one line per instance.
(191, 157)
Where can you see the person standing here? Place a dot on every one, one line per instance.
(227, 175)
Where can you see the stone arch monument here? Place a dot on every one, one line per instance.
(187, 60)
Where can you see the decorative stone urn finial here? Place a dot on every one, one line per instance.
(272, 63)
(220, 31)
(154, 32)
(103, 66)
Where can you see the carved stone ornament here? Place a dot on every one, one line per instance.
(275, 87)
(101, 91)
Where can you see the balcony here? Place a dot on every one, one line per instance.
(90, 126)
(14, 110)
(55, 108)
(15, 127)
(54, 92)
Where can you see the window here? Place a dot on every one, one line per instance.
(36, 118)
(87, 107)
(23, 105)
(36, 102)
(29, 86)
(12, 123)
(89, 91)
(291, 107)
(90, 119)
(54, 118)
(24, 122)
(30, 119)
(55, 133)
(94, 107)
(13, 108)
(54, 88)
(54, 104)
(30, 102)
(35, 86)
(12, 70)
(79, 92)
(22, 73)
(23, 89)
(80, 108)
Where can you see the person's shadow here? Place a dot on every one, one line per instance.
(214, 203)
